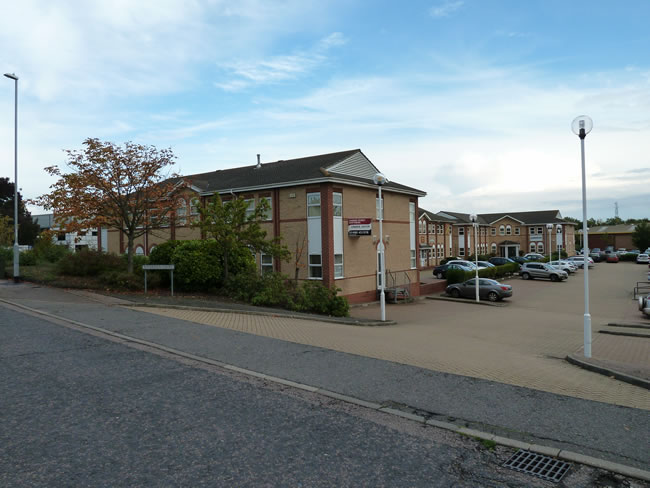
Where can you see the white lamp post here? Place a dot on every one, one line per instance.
(581, 126)
(12, 76)
(549, 228)
(380, 180)
(474, 219)
(558, 243)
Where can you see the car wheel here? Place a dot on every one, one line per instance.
(555, 278)
(439, 275)
(455, 293)
(492, 296)
(525, 276)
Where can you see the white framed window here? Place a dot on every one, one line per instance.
(493, 231)
(441, 229)
(508, 230)
(139, 250)
(461, 251)
(461, 231)
(540, 230)
(559, 229)
(517, 231)
(532, 247)
(540, 248)
(268, 215)
(337, 202)
(250, 206)
(338, 266)
(195, 203)
(313, 204)
(531, 230)
(315, 266)
(432, 228)
(266, 263)
(422, 227)
(502, 230)
(494, 248)
(423, 257)
(414, 263)
(181, 212)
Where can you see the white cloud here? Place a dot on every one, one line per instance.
(279, 68)
(445, 9)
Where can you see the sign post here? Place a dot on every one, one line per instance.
(158, 267)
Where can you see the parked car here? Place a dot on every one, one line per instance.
(462, 262)
(612, 258)
(519, 259)
(499, 261)
(644, 305)
(564, 266)
(621, 251)
(440, 272)
(530, 271)
(579, 261)
(485, 264)
(643, 259)
(533, 256)
(490, 289)
(596, 254)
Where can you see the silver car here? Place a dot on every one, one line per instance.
(490, 289)
(564, 266)
(529, 271)
(579, 261)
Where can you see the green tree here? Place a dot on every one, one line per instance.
(236, 228)
(641, 236)
(6, 231)
(27, 228)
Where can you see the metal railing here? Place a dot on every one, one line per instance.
(398, 285)
(641, 288)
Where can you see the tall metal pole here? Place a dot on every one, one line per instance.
(476, 258)
(382, 294)
(585, 252)
(12, 76)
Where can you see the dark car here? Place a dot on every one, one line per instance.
(490, 289)
(440, 272)
(597, 255)
(499, 261)
(519, 259)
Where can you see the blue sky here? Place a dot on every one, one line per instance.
(468, 100)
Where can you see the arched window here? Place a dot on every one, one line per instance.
(152, 248)
(195, 203)
(540, 248)
(508, 230)
(559, 229)
(532, 247)
(494, 248)
(181, 211)
(502, 230)
(139, 250)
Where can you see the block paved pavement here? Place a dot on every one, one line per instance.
(522, 344)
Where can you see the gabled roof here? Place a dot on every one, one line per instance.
(611, 229)
(350, 167)
(434, 217)
(525, 218)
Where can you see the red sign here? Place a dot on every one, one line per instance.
(359, 227)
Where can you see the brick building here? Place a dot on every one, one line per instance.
(324, 207)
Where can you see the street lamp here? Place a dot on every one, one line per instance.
(549, 228)
(380, 180)
(558, 242)
(12, 76)
(581, 126)
(474, 219)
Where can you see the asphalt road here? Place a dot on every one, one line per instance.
(77, 409)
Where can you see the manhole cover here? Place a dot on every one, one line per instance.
(538, 465)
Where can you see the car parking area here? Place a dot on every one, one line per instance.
(525, 342)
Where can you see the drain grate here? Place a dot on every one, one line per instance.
(538, 465)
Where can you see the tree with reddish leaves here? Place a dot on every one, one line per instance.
(119, 187)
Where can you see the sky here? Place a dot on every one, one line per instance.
(470, 101)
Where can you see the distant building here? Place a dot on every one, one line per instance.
(74, 241)
(618, 236)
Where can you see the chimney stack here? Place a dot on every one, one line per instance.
(259, 165)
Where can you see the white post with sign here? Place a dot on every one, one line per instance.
(158, 267)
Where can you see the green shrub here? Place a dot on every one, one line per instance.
(315, 298)
(243, 286)
(90, 263)
(6, 258)
(628, 256)
(27, 258)
(47, 250)
(123, 280)
(457, 275)
(162, 253)
(138, 262)
(197, 265)
(275, 291)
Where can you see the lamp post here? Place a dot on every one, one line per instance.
(380, 180)
(12, 76)
(474, 219)
(549, 228)
(558, 243)
(581, 126)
